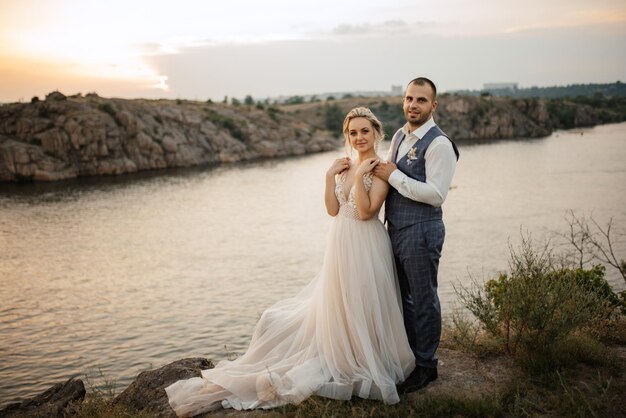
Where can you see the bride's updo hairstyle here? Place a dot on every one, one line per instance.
(363, 112)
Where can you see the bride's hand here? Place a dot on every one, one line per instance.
(367, 166)
(339, 166)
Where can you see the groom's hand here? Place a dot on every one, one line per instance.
(384, 170)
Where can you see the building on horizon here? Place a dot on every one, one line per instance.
(498, 87)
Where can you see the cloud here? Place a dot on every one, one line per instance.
(573, 19)
(391, 27)
(376, 61)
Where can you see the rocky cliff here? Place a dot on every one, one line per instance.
(66, 137)
(471, 118)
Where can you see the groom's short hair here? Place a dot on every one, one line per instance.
(420, 81)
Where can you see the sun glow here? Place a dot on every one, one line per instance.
(91, 54)
(70, 46)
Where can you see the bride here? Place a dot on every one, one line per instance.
(343, 334)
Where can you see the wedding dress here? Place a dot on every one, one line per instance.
(342, 335)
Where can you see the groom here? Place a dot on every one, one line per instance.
(421, 163)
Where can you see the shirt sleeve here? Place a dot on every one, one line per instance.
(440, 167)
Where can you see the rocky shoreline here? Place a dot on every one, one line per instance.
(68, 137)
(459, 373)
(468, 385)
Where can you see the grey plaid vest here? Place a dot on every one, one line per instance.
(399, 210)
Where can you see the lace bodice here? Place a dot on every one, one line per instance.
(347, 207)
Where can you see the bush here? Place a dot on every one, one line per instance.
(294, 100)
(108, 108)
(333, 117)
(537, 306)
(273, 111)
(43, 112)
(227, 123)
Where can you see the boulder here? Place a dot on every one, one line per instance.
(50, 403)
(147, 392)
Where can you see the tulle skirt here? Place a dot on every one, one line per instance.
(342, 335)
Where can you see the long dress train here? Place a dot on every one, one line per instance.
(342, 335)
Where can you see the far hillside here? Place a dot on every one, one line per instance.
(474, 117)
(591, 90)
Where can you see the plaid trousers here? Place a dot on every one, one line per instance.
(417, 250)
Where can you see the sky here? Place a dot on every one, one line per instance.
(203, 50)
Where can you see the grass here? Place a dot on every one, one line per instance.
(445, 406)
(97, 406)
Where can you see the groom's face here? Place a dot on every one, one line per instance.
(419, 104)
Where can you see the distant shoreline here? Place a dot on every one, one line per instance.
(64, 138)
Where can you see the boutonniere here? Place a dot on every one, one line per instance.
(410, 156)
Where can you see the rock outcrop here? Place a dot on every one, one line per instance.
(67, 137)
(51, 403)
(147, 392)
(488, 118)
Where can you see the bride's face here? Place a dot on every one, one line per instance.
(361, 134)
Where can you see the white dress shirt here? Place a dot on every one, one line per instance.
(440, 166)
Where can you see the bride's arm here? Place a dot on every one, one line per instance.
(330, 199)
(368, 204)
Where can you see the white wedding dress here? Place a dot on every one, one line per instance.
(342, 335)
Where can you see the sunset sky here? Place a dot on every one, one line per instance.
(207, 49)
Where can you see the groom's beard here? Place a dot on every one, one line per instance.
(416, 120)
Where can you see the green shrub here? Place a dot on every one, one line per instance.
(535, 307)
(273, 111)
(43, 112)
(227, 123)
(294, 100)
(108, 108)
(333, 117)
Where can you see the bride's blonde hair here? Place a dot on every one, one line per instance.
(363, 112)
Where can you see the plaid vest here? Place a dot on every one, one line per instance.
(401, 211)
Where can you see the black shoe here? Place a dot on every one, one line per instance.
(417, 380)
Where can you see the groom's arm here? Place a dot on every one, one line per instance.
(440, 167)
